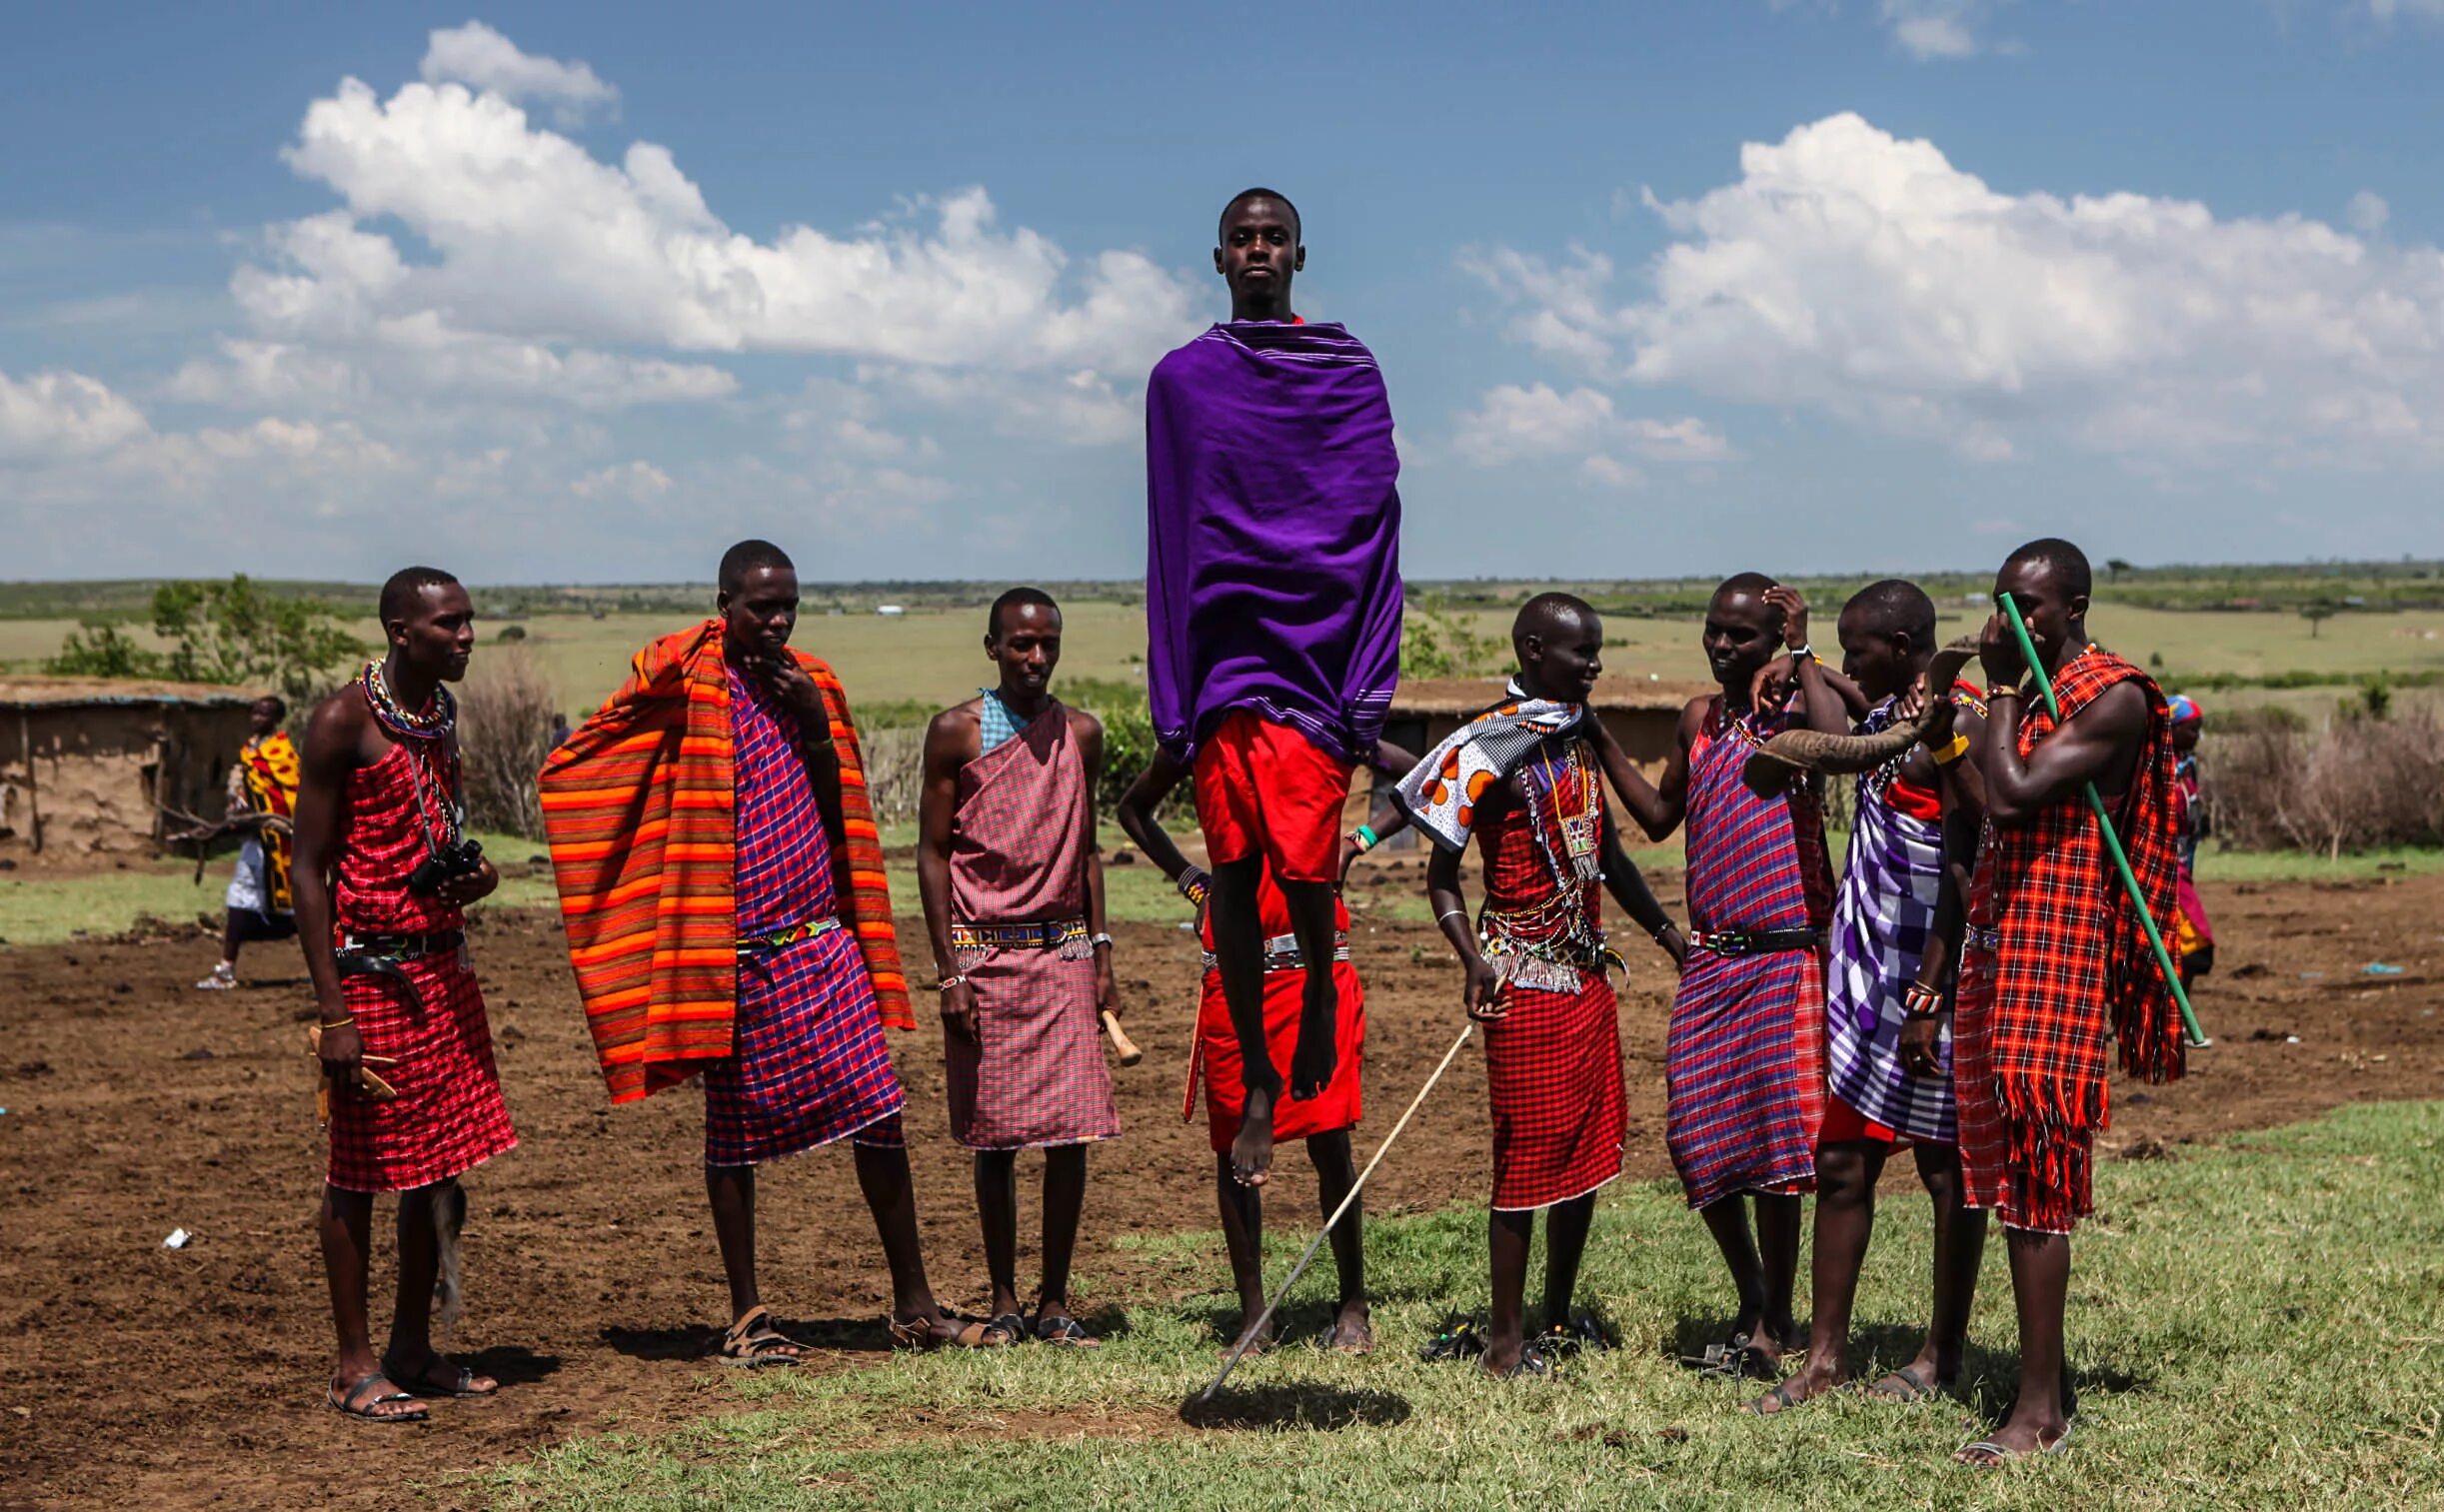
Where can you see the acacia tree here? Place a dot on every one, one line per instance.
(235, 633)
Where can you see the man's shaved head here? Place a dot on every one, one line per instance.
(400, 594)
(1561, 645)
(1751, 584)
(1896, 606)
(747, 557)
(2065, 563)
(1013, 599)
(1549, 616)
(1297, 227)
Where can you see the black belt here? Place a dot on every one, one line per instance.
(385, 958)
(1754, 941)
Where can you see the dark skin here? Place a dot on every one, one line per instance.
(1883, 661)
(1258, 257)
(428, 645)
(1744, 632)
(1259, 253)
(1024, 648)
(1242, 1204)
(759, 612)
(2100, 744)
(1561, 656)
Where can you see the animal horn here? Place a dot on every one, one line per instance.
(1771, 768)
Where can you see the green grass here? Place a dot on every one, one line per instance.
(2304, 866)
(2253, 1327)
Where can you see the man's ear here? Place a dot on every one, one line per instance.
(1218, 261)
(1298, 263)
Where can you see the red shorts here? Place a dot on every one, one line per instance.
(1844, 1124)
(1265, 789)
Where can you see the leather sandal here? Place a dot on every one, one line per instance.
(351, 1402)
(947, 1331)
(753, 1342)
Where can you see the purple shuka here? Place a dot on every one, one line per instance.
(1273, 577)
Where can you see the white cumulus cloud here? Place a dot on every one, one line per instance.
(1856, 273)
(481, 58)
(54, 415)
(1511, 423)
(1932, 29)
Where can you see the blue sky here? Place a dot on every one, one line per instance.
(581, 293)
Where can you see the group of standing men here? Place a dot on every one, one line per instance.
(722, 885)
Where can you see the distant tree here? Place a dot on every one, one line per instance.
(97, 649)
(2114, 567)
(510, 633)
(236, 633)
(2316, 613)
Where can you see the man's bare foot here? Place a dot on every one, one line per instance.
(1252, 1151)
(1311, 1065)
(1818, 1378)
(374, 1397)
(2016, 1439)
(1353, 1331)
(435, 1375)
(1509, 1359)
(1921, 1380)
(1261, 1343)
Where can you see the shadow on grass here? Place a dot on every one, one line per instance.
(1304, 1322)
(864, 1335)
(1312, 1406)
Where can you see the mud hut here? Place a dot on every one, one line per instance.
(87, 766)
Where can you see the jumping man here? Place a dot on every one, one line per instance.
(2064, 966)
(722, 881)
(1012, 883)
(1526, 779)
(1273, 620)
(1745, 1048)
(383, 874)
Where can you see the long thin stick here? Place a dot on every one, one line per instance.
(1255, 1331)
(2112, 841)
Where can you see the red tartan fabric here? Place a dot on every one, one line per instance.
(1553, 1065)
(1034, 1074)
(2073, 965)
(448, 1116)
(1985, 1170)
(1214, 1061)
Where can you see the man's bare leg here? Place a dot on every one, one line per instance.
(345, 1224)
(997, 1208)
(411, 1360)
(1319, 1053)
(1960, 1247)
(1509, 1235)
(1335, 1173)
(732, 1189)
(1565, 1244)
(1064, 1198)
(2040, 1284)
(1726, 1218)
(1777, 1242)
(1239, 957)
(1243, 1222)
(1846, 1173)
(883, 1176)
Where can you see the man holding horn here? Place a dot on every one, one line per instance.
(2058, 961)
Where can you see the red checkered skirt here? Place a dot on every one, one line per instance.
(1216, 1063)
(1744, 1064)
(1034, 1074)
(810, 1066)
(448, 1116)
(1560, 1113)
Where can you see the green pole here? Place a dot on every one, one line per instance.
(2104, 824)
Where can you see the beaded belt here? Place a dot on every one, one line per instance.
(1979, 937)
(779, 940)
(402, 947)
(1281, 954)
(1065, 936)
(1549, 967)
(1754, 941)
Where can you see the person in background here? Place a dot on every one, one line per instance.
(263, 807)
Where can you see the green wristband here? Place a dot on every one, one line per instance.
(1366, 833)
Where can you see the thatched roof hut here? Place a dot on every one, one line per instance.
(87, 765)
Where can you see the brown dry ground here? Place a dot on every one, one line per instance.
(133, 1375)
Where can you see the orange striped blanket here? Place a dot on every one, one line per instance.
(638, 805)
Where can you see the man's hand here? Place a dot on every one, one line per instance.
(1675, 941)
(1350, 853)
(1773, 684)
(343, 1049)
(1923, 1046)
(1998, 651)
(1793, 606)
(959, 1012)
(795, 688)
(1938, 732)
(466, 887)
(1483, 992)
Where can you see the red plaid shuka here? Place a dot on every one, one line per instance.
(448, 1116)
(1553, 1065)
(1213, 1059)
(2073, 963)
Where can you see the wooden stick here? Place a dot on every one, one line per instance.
(1255, 1329)
(1129, 1052)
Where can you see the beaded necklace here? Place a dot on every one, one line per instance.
(395, 717)
(426, 737)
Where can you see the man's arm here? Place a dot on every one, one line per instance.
(1627, 886)
(948, 741)
(1963, 825)
(2093, 746)
(1658, 807)
(1387, 819)
(1479, 980)
(1135, 813)
(1087, 731)
(332, 736)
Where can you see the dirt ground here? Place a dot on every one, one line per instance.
(134, 1375)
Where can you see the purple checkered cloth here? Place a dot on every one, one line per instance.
(1881, 920)
(1743, 1053)
(810, 1066)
